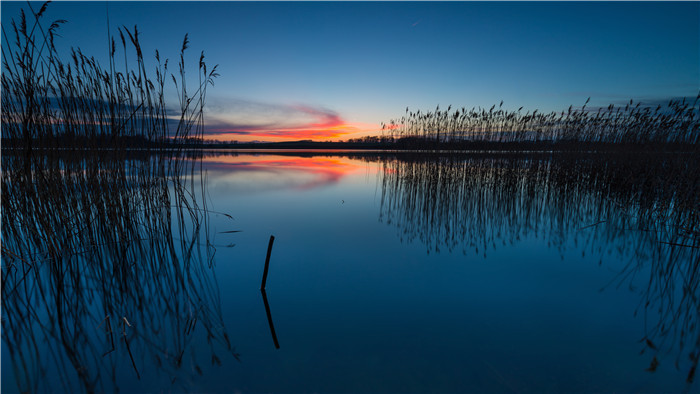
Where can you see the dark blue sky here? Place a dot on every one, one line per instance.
(293, 69)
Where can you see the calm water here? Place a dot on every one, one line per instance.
(487, 273)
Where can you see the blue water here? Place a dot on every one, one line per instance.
(362, 305)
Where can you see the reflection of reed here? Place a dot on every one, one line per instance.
(92, 245)
(446, 201)
(643, 209)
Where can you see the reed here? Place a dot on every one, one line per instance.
(52, 102)
(98, 237)
(634, 125)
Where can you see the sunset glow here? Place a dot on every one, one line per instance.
(279, 122)
(316, 132)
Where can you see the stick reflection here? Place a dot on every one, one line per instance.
(269, 319)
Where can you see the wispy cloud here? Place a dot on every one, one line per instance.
(249, 120)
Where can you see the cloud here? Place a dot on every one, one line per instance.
(228, 119)
(326, 118)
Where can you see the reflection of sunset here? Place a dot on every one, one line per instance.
(283, 171)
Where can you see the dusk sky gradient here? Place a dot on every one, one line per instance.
(336, 70)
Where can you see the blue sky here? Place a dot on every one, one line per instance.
(336, 70)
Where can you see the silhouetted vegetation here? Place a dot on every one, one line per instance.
(50, 102)
(105, 255)
(675, 126)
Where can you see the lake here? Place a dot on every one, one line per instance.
(389, 272)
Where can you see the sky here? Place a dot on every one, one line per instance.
(336, 70)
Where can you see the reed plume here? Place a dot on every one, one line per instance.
(675, 126)
(52, 102)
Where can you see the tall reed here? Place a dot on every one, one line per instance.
(52, 102)
(631, 125)
(105, 253)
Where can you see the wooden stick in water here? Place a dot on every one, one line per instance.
(267, 262)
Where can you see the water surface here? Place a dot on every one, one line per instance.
(398, 273)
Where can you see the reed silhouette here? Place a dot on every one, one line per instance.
(642, 209)
(51, 102)
(674, 127)
(105, 250)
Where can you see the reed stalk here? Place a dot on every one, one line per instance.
(51, 102)
(675, 126)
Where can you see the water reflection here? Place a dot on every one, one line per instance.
(159, 316)
(643, 210)
(269, 319)
(293, 170)
(106, 274)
